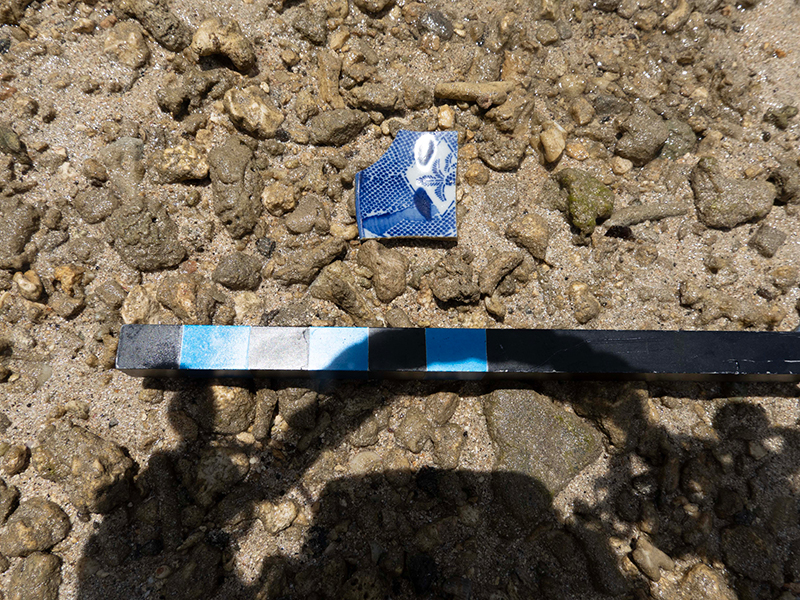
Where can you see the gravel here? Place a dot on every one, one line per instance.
(623, 165)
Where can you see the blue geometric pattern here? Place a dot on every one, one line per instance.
(411, 190)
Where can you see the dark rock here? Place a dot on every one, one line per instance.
(144, 235)
(198, 577)
(154, 15)
(422, 571)
(501, 152)
(237, 185)
(750, 552)
(95, 204)
(540, 441)
(35, 526)
(96, 473)
(780, 116)
(786, 178)
(603, 569)
(36, 577)
(587, 199)
(238, 271)
(311, 25)
(416, 95)
(436, 22)
(18, 223)
(304, 265)
(767, 240)
(11, 11)
(8, 500)
(11, 144)
(452, 278)
(298, 407)
(388, 266)
(218, 470)
(336, 127)
(644, 135)
(723, 202)
(178, 96)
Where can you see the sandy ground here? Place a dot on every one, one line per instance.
(633, 296)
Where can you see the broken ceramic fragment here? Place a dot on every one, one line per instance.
(411, 190)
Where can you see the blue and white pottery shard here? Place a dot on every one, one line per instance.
(411, 190)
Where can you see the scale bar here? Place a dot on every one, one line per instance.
(361, 352)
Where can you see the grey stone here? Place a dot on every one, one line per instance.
(126, 45)
(585, 306)
(644, 135)
(767, 240)
(238, 271)
(36, 577)
(266, 401)
(304, 265)
(37, 525)
(336, 127)
(144, 235)
(440, 407)
(723, 202)
(416, 95)
(311, 213)
(95, 473)
(154, 15)
(530, 232)
(123, 162)
(224, 36)
(95, 204)
(603, 568)
(651, 560)
(414, 430)
(498, 267)
(680, 140)
(336, 284)
(541, 441)
(18, 223)
(374, 96)
(587, 199)
(448, 440)
(452, 278)
(436, 22)
(225, 409)
(179, 95)
(237, 186)
(388, 266)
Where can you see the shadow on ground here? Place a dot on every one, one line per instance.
(724, 495)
